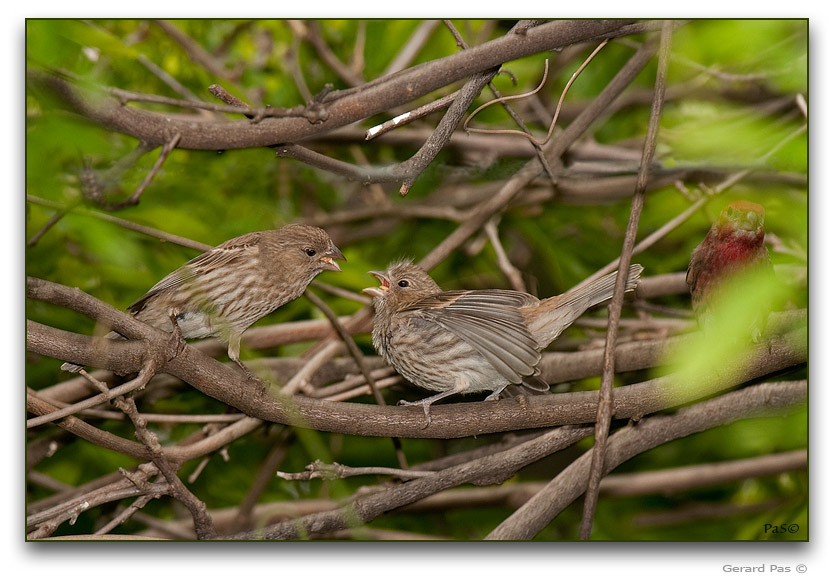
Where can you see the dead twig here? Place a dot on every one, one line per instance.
(604, 410)
(554, 149)
(527, 134)
(320, 470)
(412, 48)
(203, 525)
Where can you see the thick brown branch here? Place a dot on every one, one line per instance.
(343, 107)
(448, 421)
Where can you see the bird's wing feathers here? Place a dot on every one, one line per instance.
(223, 254)
(694, 266)
(492, 324)
(226, 252)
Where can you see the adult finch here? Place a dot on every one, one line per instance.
(224, 291)
(465, 341)
(733, 245)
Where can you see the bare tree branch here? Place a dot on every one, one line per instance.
(459, 420)
(761, 400)
(553, 150)
(606, 396)
(344, 107)
(758, 401)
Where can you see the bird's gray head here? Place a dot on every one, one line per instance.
(302, 248)
(402, 283)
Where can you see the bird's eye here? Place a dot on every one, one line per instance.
(310, 252)
(403, 283)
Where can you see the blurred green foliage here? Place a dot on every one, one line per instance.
(732, 70)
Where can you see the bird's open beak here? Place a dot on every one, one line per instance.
(328, 259)
(383, 288)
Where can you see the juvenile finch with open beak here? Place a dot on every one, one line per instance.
(465, 341)
(224, 291)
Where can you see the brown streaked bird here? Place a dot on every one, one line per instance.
(224, 291)
(465, 341)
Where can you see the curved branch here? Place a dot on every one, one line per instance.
(343, 107)
(448, 421)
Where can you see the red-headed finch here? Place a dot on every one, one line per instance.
(733, 245)
(224, 291)
(465, 341)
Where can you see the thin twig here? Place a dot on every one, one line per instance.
(531, 170)
(357, 59)
(354, 351)
(92, 189)
(364, 389)
(137, 383)
(231, 105)
(504, 264)
(128, 225)
(168, 79)
(124, 515)
(263, 478)
(413, 115)
(320, 470)
(163, 156)
(197, 53)
(51, 222)
(203, 525)
(444, 130)
(312, 34)
(412, 48)
(503, 100)
(294, 59)
(521, 25)
(164, 417)
(341, 292)
(219, 92)
(301, 380)
(606, 397)
(360, 362)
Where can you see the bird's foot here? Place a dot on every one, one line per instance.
(176, 344)
(423, 404)
(251, 376)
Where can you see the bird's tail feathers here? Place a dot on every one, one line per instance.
(601, 289)
(563, 310)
